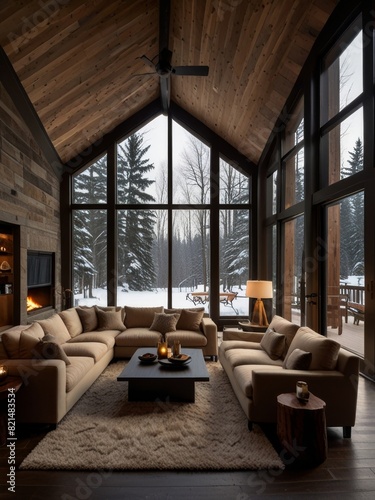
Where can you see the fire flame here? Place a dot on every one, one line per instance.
(31, 304)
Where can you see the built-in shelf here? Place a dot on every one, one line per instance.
(6, 277)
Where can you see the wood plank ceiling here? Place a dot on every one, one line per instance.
(78, 61)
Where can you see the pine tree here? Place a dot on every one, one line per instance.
(352, 219)
(234, 269)
(90, 238)
(135, 226)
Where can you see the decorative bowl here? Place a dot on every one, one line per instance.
(147, 358)
(180, 359)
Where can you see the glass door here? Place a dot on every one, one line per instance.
(345, 271)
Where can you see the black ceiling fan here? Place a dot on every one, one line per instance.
(163, 65)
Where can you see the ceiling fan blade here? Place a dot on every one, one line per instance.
(164, 16)
(148, 61)
(165, 94)
(191, 70)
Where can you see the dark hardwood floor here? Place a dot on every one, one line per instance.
(348, 472)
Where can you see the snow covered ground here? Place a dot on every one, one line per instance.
(159, 297)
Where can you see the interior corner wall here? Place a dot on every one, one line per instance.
(29, 194)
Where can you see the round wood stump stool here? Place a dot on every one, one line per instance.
(301, 429)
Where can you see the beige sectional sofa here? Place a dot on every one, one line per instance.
(59, 358)
(270, 364)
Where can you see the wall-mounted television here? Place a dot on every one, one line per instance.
(39, 269)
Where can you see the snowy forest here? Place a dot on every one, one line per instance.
(141, 222)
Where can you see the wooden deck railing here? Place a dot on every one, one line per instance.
(355, 293)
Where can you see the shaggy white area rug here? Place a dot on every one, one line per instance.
(104, 431)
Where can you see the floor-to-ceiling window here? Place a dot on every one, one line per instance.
(325, 182)
(234, 239)
(342, 132)
(141, 223)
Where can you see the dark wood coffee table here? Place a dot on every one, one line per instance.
(154, 381)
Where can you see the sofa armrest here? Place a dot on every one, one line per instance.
(42, 397)
(336, 389)
(209, 329)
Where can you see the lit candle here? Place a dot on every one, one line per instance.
(3, 372)
(162, 350)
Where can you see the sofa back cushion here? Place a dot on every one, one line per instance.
(55, 326)
(72, 321)
(324, 351)
(140, 316)
(11, 340)
(282, 325)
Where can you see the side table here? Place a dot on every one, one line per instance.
(9, 383)
(301, 428)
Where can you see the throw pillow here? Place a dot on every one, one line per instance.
(88, 318)
(273, 344)
(190, 320)
(298, 360)
(110, 320)
(164, 323)
(282, 325)
(56, 327)
(48, 349)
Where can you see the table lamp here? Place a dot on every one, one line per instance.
(259, 290)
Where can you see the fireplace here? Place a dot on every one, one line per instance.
(40, 282)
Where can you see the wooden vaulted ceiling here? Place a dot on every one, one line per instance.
(79, 62)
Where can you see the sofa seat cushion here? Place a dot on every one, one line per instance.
(226, 345)
(138, 337)
(324, 351)
(243, 375)
(187, 338)
(94, 350)
(71, 319)
(237, 357)
(78, 368)
(107, 338)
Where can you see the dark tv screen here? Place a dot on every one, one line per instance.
(39, 269)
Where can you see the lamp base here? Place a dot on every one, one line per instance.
(259, 314)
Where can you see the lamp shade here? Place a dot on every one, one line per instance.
(258, 289)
